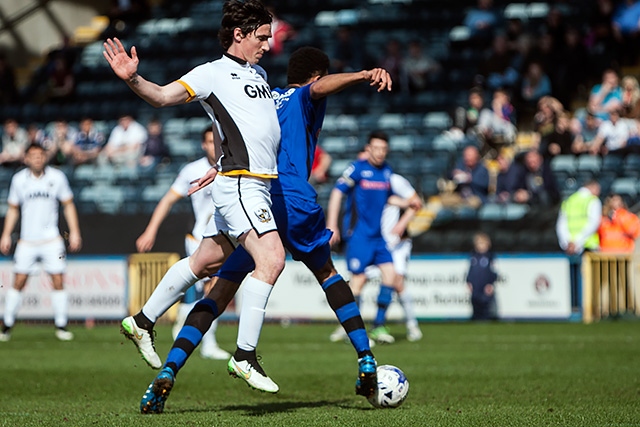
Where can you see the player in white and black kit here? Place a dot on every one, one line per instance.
(36, 193)
(202, 205)
(234, 92)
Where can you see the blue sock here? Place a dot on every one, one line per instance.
(384, 300)
(197, 323)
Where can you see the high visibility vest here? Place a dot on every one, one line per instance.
(619, 235)
(576, 209)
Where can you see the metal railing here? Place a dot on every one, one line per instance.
(145, 272)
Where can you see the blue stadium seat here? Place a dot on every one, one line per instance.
(491, 212)
(565, 162)
(591, 164)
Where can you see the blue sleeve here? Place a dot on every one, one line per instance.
(350, 177)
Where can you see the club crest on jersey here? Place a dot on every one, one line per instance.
(263, 215)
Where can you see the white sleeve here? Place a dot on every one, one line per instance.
(400, 186)
(64, 190)
(562, 230)
(115, 138)
(14, 198)
(198, 82)
(594, 217)
(182, 183)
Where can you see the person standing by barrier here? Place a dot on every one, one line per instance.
(481, 279)
(619, 228)
(577, 230)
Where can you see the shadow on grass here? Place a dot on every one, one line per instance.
(260, 409)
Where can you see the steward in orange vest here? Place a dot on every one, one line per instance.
(619, 228)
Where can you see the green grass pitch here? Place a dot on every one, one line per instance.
(504, 374)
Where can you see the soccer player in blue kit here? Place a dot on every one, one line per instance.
(367, 183)
(301, 224)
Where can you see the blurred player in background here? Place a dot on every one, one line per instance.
(36, 193)
(202, 204)
(367, 182)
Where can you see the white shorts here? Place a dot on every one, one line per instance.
(50, 254)
(401, 253)
(190, 244)
(241, 204)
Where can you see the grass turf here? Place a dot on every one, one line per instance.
(547, 374)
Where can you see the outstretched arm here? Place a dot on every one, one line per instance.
(334, 83)
(10, 221)
(147, 239)
(333, 212)
(126, 67)
(71, 216)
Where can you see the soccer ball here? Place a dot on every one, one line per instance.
(393, 387)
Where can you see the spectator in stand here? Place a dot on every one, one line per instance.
(504, 179)
(281, 32)
(560, 140)
(613, 135)
(347, 54)
(8, 89)
(88, 143)
(606, 96)
(35, 135)
(392, 62)
(535, 85)
(154, 149)
(465, 118)
(14, 143)
(418, 67)
(630, 98)
(534, 184)
(125, 143)
(497, 124)
(619, 228)
(481, 278)
(545, 119)
(626, 28)
(577, 230)
(320, 167)
(472, 181)
(501, 69)
(584, 135)
(481, 20)
(58, 142)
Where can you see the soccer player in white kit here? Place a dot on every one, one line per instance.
(234, 92)
(36, 193)
(203, 209)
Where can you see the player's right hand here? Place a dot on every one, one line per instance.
(200, 183)
(5, 244)
(125, 66)
(145, 242)
(335, 237)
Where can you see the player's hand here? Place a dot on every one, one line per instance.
(379, 77)
(123, 65)
(200, 183)
(75, 242)
(145, 242)
(335, 238)
(5, 244)
(397, 231)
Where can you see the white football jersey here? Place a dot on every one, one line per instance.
(200, 200)
(401, 187)
(238, 100)
(38, 199)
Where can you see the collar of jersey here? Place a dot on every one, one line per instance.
(235, 58)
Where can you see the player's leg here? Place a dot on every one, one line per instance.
(383, 260)
(183, 274)
(401, 254)
(12, 302)
(53, 260)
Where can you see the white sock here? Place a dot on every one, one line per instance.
(12, 302)
(60, 304)
(254, 302)
(209, 338)
(407, 305)
(170, 289)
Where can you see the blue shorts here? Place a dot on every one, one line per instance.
(365, 251)
(303, 231)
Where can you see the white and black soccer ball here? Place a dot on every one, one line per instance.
(393, 387)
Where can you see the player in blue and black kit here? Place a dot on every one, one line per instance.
(367, 184)
(301, 221)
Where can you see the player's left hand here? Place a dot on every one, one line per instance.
(75, 242)
(200, 183)
(379, 77)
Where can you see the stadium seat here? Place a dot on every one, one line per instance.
(339, 144)
(591, 164)
(626, 187)
(338, 167)
(631, 166)
(391, 122)
(491, 212)
(438, 120)
(565, 162)
(515, 211)
(612, 163)
(401, 143)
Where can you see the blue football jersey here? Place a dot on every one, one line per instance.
(300, 119)
(368, 188)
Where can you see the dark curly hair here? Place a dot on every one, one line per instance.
(247, 15)
(305, 63)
